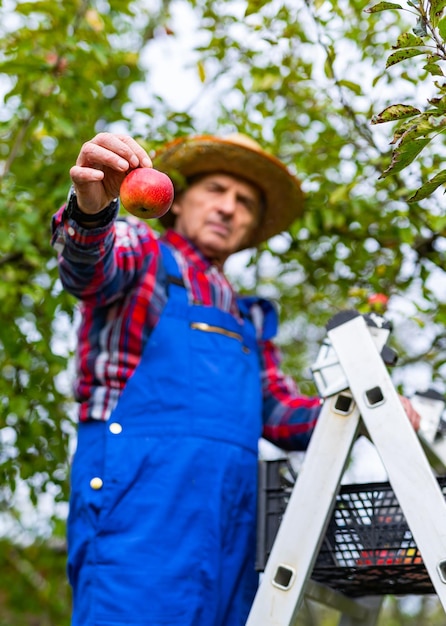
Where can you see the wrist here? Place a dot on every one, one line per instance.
(89, 220)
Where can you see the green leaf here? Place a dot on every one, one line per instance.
(357, 89)
(402, 55)
(404, 156)
(383, 6)
(395, 112)
(420, 127)
(407, 40)
(328, 65)
(434, 69)
(401, 131)
(201, 71)
(428, 188)
(254, 6)
(266, 81)
(439, 104)
(436, 8)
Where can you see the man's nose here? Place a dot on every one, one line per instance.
(227, 203)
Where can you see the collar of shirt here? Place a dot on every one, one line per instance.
(205, 282)
(188, 251)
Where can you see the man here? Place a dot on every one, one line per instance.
(178, 378)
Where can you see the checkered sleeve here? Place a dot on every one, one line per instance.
(98, 265)
(288, 416)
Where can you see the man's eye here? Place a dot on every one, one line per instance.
(250, 206)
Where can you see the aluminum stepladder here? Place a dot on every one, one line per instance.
(357, 391)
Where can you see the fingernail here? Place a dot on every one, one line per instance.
(123, 165)
(146, 162)
(134, 161)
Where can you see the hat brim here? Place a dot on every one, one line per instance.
(284, 199)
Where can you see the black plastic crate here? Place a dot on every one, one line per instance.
(368, 548)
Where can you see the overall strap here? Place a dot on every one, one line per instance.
(262, 313)
(174, 280)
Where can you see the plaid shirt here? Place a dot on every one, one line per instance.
(116, 273)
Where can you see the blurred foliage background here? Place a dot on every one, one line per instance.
(349, 95)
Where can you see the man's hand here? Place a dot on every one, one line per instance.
(414, 417)
(101, 166)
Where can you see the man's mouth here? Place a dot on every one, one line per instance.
(220, 228)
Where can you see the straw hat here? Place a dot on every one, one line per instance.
(239, 156)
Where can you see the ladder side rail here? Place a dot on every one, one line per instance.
(410, 474)
(302, 529)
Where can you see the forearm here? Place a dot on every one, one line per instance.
(85, 254)
(289, 425)
(98, 263)
(289, 417)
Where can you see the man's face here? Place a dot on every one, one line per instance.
(217, 213)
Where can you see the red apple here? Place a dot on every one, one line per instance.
(379, 299)
(378, 303)
(146, 192)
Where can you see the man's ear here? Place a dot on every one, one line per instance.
(175, 209)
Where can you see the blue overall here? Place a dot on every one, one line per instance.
(166, 535)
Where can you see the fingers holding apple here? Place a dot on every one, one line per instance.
(146, 193)
(102, 165)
